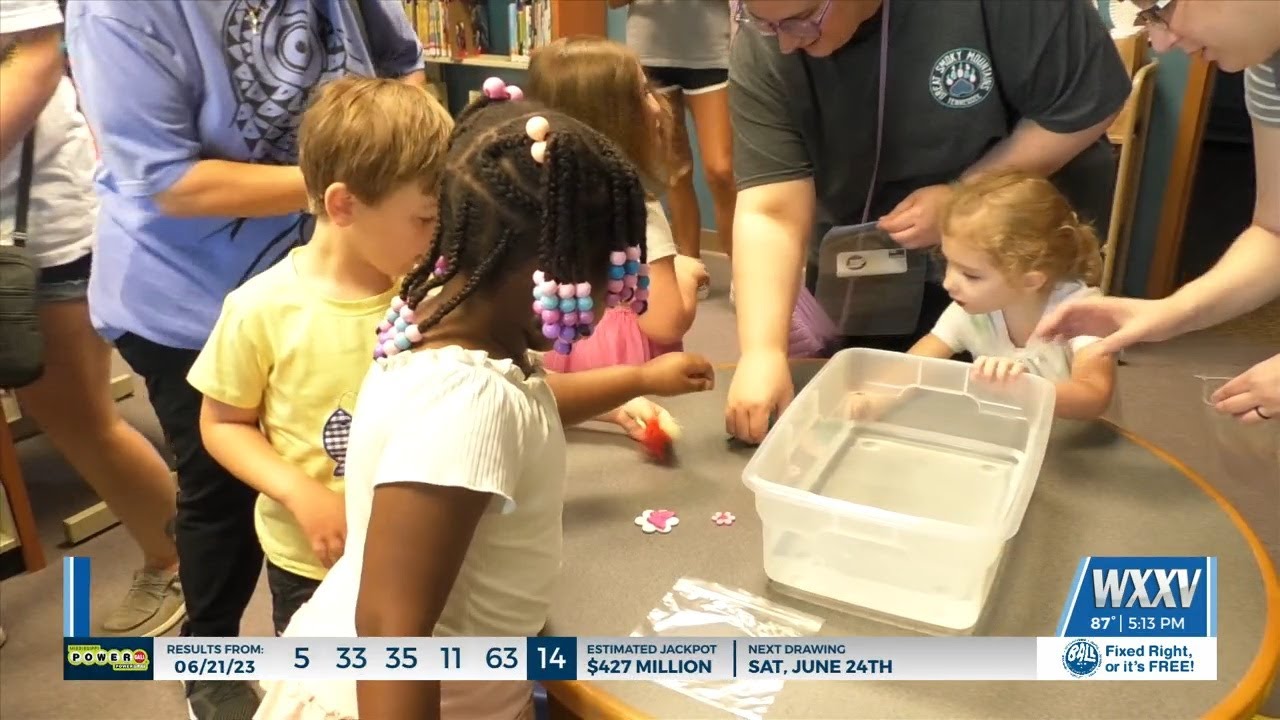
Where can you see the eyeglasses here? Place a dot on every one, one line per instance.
(1157, 13)
(807, 29)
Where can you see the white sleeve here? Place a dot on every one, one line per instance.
(468, 437)
(21, 15)
(658, 240)
(951, 327)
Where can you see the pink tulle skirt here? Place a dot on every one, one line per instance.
(617, 340)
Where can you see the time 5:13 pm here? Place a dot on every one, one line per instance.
(1138, 623)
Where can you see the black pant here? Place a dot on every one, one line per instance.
(288, 593)
(217, 545)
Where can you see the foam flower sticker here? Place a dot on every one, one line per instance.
(723, 518)
(657, 521)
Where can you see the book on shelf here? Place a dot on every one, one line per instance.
(528, 26)
(450, 28)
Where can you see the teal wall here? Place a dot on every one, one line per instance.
(1166, 109)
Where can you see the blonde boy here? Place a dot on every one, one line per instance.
(282, 368)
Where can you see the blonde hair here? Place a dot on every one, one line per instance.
(601, 83)
(1025, 225)
(374, 135)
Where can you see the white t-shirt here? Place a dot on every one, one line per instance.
(988, 335)
(453, 417)
(63, 207)
(658, 240)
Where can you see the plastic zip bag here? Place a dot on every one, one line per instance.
(1249, 452)
(697, 608)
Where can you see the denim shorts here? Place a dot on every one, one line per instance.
(66, 282)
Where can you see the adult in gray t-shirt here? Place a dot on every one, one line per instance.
(972, 86)
(684, 48)
(1237, 35)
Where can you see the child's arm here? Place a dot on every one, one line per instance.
(931, 346)
(418, 537)
(582, 396)
(233, 438)
(673, 303)
(1088, 393)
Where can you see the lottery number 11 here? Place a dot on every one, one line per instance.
(453, 652)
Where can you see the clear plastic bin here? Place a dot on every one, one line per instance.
(905, 512)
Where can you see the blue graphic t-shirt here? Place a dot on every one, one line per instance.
(167, 84)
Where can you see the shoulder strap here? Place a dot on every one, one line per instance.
(364, 32)
(24, 189)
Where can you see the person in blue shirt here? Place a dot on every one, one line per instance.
(195, 107)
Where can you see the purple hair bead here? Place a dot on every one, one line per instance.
(551, 331)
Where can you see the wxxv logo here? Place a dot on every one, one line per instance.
(1142, 597)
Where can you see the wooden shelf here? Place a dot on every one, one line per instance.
(488, 60)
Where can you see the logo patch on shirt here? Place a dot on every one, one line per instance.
(336, 433)
(961, 78)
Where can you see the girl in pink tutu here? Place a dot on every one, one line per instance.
(602, 84)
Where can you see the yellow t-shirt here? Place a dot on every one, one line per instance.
(281, 346)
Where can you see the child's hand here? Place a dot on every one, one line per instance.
(997, 369)
(636, 413)
(322, 513)
(677, 373)
(866, 407)
(691, 269)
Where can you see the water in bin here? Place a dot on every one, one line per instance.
(867, 283)
(1249, 452)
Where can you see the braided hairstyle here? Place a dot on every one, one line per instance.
(499, 207)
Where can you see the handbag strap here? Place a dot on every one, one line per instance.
(884, 76)
(358, 12)
(24, 189)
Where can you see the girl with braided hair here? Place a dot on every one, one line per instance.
(456, 460)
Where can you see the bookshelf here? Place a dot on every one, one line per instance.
(508, 31)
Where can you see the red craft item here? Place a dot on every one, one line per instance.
(659, 440)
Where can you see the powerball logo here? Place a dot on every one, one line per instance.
(119, 660)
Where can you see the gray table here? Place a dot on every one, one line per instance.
(1101, 492)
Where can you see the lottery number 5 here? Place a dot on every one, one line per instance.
(300, 659)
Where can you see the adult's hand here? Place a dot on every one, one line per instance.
(913, 224)
(761, 387)
(1120, 322)
(1254, 395)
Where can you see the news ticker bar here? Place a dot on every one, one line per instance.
(630, 658)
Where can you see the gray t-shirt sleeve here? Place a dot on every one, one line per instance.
(767, 145)
(1262, 92)
(1058, 65)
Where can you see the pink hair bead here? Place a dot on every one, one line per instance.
(633, 252)
(627, 293)
(569, 318)
(495, 89)
(539, 277)
(644, 270)
(413, 334)
(514, 93)
(642, 295)
(612, 300)
(639, 307)
(582, 290)
(550, 316)
(537, 307)
(397, 303)
(630, 281)
(537, 128)
(406, 312)
(615, 286)
(586, 317)
(384, 326)
(565, 291)
(617, 257)
(389, 348)
(548, 288)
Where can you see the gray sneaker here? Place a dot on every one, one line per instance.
(221, 700)
(153, 605)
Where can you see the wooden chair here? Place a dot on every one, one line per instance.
(17, 503)
(1128, 132)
